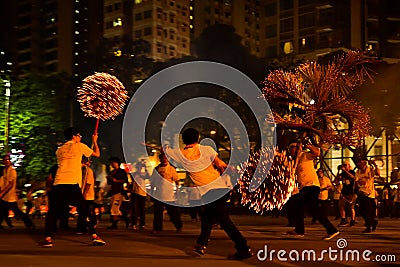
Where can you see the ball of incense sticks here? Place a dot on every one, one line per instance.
(102, 96)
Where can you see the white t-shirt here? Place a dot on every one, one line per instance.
(89, 180)
(10, 175)
(324, 183)
(198, 161)
(305, 171)
(365, 181)
(162, 182)
(139, 183)
(69, 157)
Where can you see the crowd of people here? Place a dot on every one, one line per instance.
(349, 194)
(72, 182)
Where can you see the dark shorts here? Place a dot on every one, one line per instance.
(347, 201)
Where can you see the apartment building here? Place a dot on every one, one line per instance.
(305, 28)
(164, 24)
(54, 35)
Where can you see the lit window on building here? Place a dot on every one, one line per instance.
(76, 22)
(76, 11)
(76, 32)
(117, 22)
(138, 1)
(288, 47)
(118, 53)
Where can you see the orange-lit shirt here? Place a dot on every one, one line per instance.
(69, 157)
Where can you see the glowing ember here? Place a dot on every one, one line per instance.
(102, 96)
(275, 190)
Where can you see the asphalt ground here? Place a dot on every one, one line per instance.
(266, 236)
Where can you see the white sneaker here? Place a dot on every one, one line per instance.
(329, 237)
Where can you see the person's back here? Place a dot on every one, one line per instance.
(309, 190)
(305, 171)
(199, 161)
(66, 189)
(205, 177)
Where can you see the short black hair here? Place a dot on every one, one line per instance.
(115, 159)
(190, 136)
(70, 132)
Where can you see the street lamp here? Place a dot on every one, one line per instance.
(7, 85)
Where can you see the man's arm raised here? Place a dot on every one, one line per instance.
(95, 146)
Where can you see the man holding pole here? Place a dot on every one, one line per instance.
(68, 180)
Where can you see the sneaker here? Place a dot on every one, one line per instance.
(294, 233)
(352, 223)
(47, 243)
(199, 250)
(343, 223)
(330, 236)
(241, 255)
(374, 225)
(97, 241)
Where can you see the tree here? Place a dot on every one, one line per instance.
(39, 107)
(220, 43)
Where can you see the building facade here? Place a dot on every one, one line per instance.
(165, 25)
(54, 35)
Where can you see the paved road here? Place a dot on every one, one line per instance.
(134, 249)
